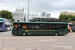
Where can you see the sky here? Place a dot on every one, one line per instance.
(54, 7)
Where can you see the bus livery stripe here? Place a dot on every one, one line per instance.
(39, 30)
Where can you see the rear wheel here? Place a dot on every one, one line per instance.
(24, 34)
(56, 34)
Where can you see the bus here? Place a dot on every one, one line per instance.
(10, 23)
(4, 24)
(40, 28)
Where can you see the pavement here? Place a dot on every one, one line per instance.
(10, 42)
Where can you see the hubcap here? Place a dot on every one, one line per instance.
(56, 34)
(24, 33)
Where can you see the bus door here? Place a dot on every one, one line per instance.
(17, 29)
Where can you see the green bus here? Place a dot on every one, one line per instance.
(40, 28)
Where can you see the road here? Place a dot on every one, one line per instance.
(10, 42)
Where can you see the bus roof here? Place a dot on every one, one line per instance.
(43, 22)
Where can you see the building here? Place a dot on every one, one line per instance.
(65, 12)
(68, 13)
(45, 15)
(72, 13)
(39, 15)
(19, 15)
(33, 15)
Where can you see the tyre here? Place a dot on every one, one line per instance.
(24, 34)
(56, 34)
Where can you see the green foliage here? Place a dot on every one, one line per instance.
(66, 17)
(73, 18)
(6, 14)
(63, 17)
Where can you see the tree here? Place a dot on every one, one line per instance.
(6, 14)
(73, 18)
(66, 17)
(63, 17)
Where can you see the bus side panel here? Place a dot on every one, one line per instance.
(41, 32)
(61, 32)
(35, 32)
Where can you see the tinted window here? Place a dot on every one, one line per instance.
(33, 26)
(6, 25)
(44, 26)
(17, 26)
(59, 26)
(38, 26)
(24, 26)
(55, 26)
(0, 24)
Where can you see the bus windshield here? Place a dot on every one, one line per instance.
(0, 24)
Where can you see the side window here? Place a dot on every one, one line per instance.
(44, 26)
(24, 26)
(36, 26)
(33, 26)
(64, 26)
(15, 26)
(30, 26)
(57, 26)
(6, 25)
(54, 26)
(19, 26)
(50, 26)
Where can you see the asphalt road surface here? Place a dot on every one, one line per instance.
(10, 42)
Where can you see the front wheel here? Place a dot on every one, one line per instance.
(56, 34)
(24, 34)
